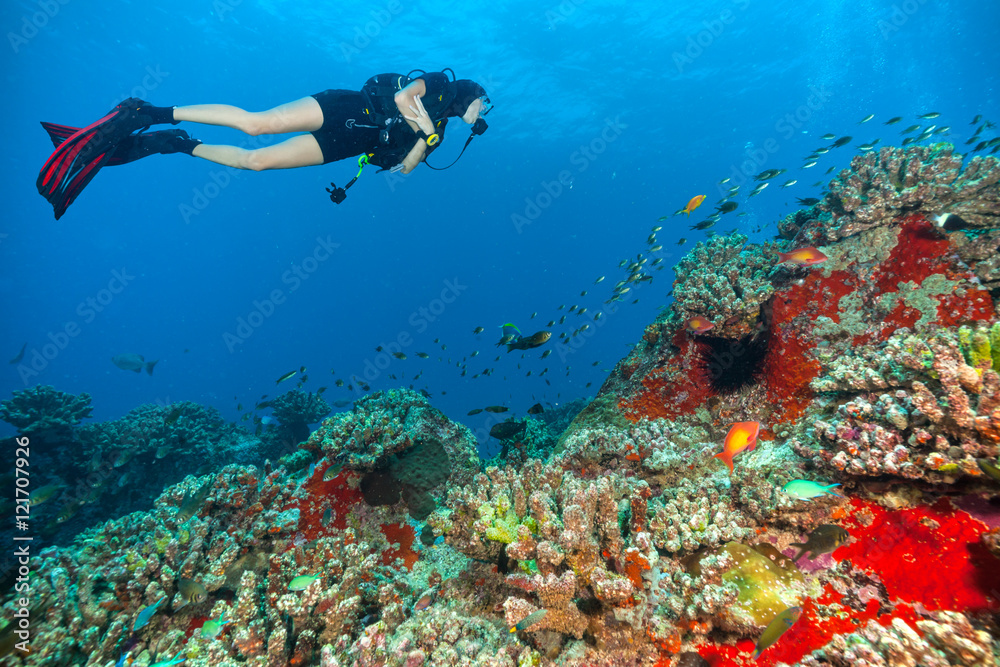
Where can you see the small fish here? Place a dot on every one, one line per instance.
(191, 502)
(828, 137)
(811, 163)
(866, 118)
(681, 241)
(803, 489)
(545, 354)
(698, 325)
(822, 540)
(893, 120)
(808, 201)
(529, 620)
(146, 613)
(843, 141)
(988, 468)
(332, 470)
(789, 184)
(929, 116)
(211, 629)
(478, 330)
(327, 516)
(768, 174)
(528, 342)
(707, 224)
(287, 376)
(821, 151)
(757, 190)
(43, 494)
(426, 600)
(173, 416)
(399, 355)
(20, 355)
(423, 355)
(727, 207)
(536, 409)
(496, 409)
(657, 228)
(133, 362)
(912, 128)
(776, 628)
(694, 203)
(301, 583)
(741, 436)
(978, 118)
(599, 280)
(808, 256)
(191, 592)
(176, 660)
(942, 129)
(475, 411)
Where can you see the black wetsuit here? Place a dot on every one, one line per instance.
(348, 130)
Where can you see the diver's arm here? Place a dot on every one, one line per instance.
(415, 156)
(404, 100)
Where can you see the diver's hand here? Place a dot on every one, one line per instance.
(420, 116)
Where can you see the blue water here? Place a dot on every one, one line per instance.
(683, 96)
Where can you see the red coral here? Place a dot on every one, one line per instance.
(678, 387)
(927, 554)
(402, 534)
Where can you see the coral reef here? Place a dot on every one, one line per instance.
(615, 538)
(296, 409)
(881, 187)
(46, 413)
(389, 422)
(724, 280)
(920, 406)
(946, 639)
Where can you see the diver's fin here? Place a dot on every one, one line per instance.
(79, 156)
(134, 146)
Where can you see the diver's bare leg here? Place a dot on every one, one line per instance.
(300, 151)
(304, 115)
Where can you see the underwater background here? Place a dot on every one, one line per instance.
(608, 117)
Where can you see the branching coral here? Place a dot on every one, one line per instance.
(726, 281)
(389, 422)
(43, 409)
(881, 187)
(923, 406)
(946, 639)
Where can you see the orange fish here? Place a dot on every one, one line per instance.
(698, 324)
(803, 257)
(742, 435)
(693, 204)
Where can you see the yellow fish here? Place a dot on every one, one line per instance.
(693, 204)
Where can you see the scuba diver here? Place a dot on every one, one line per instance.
(394, 122)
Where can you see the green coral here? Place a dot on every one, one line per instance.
(44, 408)
(501, 522)
(980, 346)
(765, 589)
